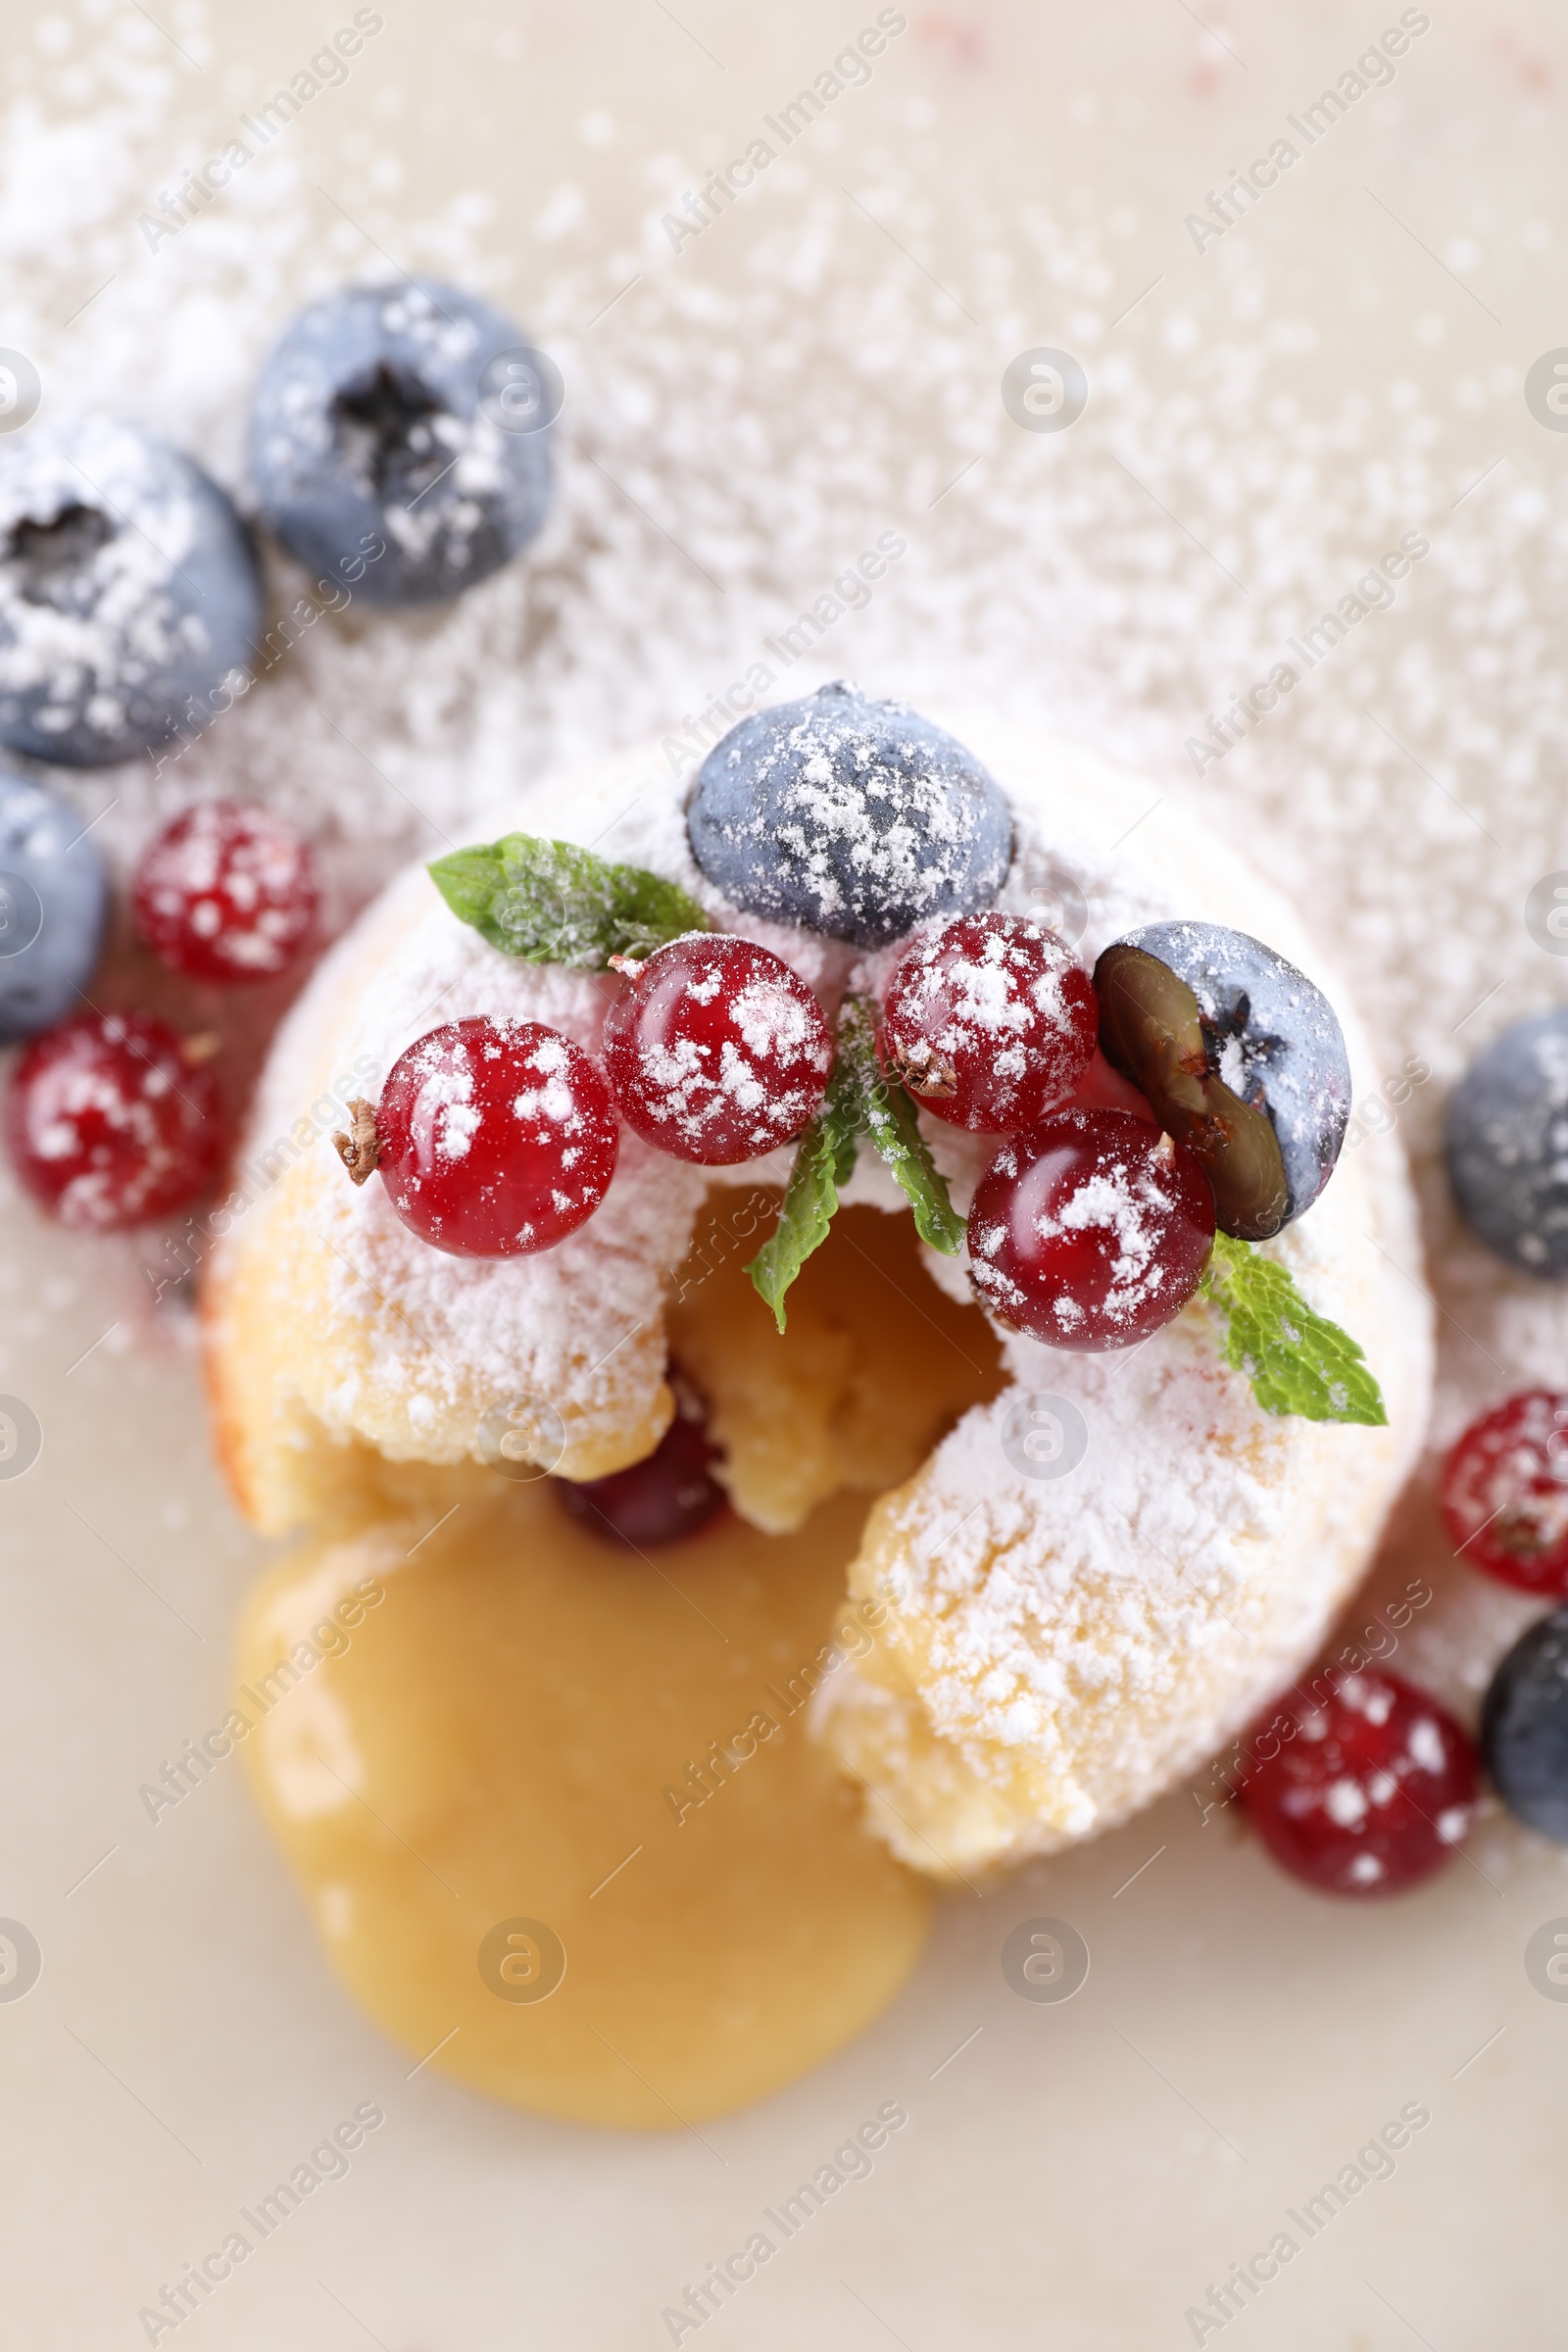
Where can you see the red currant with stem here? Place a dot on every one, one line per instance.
(990, 1022)
(495, 1138)
(1089, 1230)
(718, 1052)
(113, 1120)
(1505, 1494)
(669, 1496)
(1359, 1784)
(226, 893)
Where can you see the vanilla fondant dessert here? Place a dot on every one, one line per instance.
(826, 1355)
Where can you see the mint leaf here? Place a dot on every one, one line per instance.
(824, 1158)
(1298, 1361)
(549, 902)
(861, 1100)
(891, 1123)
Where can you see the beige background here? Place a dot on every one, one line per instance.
(821, 366)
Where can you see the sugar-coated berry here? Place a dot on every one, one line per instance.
(1089, 1230)
(1524, 1727)
(495, 1138)
(1359, 1784)
(853, 816)
(226, 893)
(111, 1124)
(54, 904)
(1242, 1058)
(990, 1022)
(390, 447)
(130, 602)
(1507, 1145)
(1505, 1493)
(718, 1052)
(663, 1500)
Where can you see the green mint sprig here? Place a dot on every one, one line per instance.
(548, 902)
(824, 1158)
(888, 1115)
(1298, 1361)
(861, 1100)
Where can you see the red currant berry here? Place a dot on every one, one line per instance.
(226, 893)
(110, 1123)
(1359, 1783)
(718, 1052)
(495, 1138)
(990, 1022)
(663, 1500)
(1089, 1230)
(1505, 1493)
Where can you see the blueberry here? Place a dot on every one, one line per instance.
(1241, 1057)
(1524, 1727)
(1507, 1145)
(377, 428)
(851, 816)
(54, 901)
(128, 592)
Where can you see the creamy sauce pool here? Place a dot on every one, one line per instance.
(555, 1804)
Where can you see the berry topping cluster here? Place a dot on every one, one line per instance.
(1195, 1085)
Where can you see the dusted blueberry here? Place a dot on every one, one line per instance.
(851, 816)
(1507, 1145)
(387, 448)
(54, 901)
(1241, 1057)
(130, 593)
(1524, 1728)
